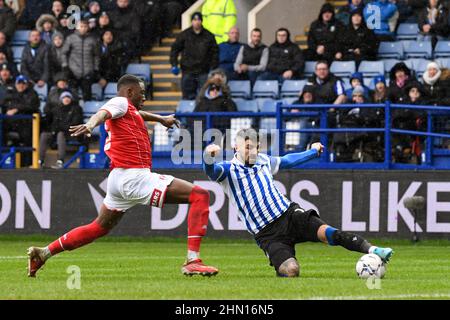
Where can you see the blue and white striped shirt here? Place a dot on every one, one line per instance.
(252, 189)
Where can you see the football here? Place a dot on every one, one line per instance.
(370, 265)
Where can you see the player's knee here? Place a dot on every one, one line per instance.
(200, 194)
(290, 268)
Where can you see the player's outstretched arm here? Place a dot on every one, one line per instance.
(86, 129)
(293, 159)
(167, 121)
(213, 170)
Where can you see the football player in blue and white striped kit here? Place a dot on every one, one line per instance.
(276, 223)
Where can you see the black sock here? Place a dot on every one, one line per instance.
(351, 241)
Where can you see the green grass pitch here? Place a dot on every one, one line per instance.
(124, 268)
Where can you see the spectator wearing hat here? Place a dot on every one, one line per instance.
(8, 21)
(81, 59)
(380, 94)
(323, 35)
(6, 85)
(357, 42)
(356, 79)
(55, 54)
(111, 59)
(306, 96)
(35, 63)
(199, 55)
(93, 14)
(21, 101)
(103, 25)
(344, 12)
(66, 114)
(61, 85)
(400, 78)
(63, 26)
(216, 98)
(252, 58)
(47, 25)
(435, 86)
(286, 60)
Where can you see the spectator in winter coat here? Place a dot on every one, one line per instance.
(21, 101)
(111, 59)
(323, 35)
(228, 52)
(33, 10)
(285, 59)
(93, 14)
(433, 22)
(344, 12)
(381, 16)
(126, 23)
(47, 25)
(55, 54)
(199, 55)
(57, 9)
(380, 94)
(436, 89)
(252, 58)
(81, 58)
(6, 85)
(357, 42)
(400, 78)
(8, 22)
(67, 113)
(35, 63)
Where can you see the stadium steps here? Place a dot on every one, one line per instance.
(166, 86)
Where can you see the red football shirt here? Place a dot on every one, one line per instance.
(128, 143)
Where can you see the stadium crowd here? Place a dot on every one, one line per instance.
(66, 59)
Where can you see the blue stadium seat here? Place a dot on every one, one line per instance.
(20, 38)
(41, 91)
(310, 67)
(368, 82)
(414, 64)
(267, 89)
(240, 89)
(390, 50)
(186, 106)
(388, 64)
(91, 107)
(419, 49)
(140, 70)
(17, 53)
(442, 49)
(247, 106)
(444, 62)
(407, 31)
(269, 105)
(110, 90)
(370, 69)
(268, 124)
(420, 67)
(346, 82)
(343, 68)
(97, 92)
(292, 88)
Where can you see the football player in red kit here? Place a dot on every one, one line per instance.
(131, 180)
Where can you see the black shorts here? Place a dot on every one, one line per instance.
(295, 225)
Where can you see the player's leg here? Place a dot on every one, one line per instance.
(351, 241)
(181, 191)
(74, 239)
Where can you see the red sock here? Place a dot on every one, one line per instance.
(197, 217)
(77, 237)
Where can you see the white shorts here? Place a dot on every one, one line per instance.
(129, 187)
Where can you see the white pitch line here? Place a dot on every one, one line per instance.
(398, 296)
(12, 257)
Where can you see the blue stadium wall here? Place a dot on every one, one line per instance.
(367, 202)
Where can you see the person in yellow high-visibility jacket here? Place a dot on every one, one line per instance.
(219, 16)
